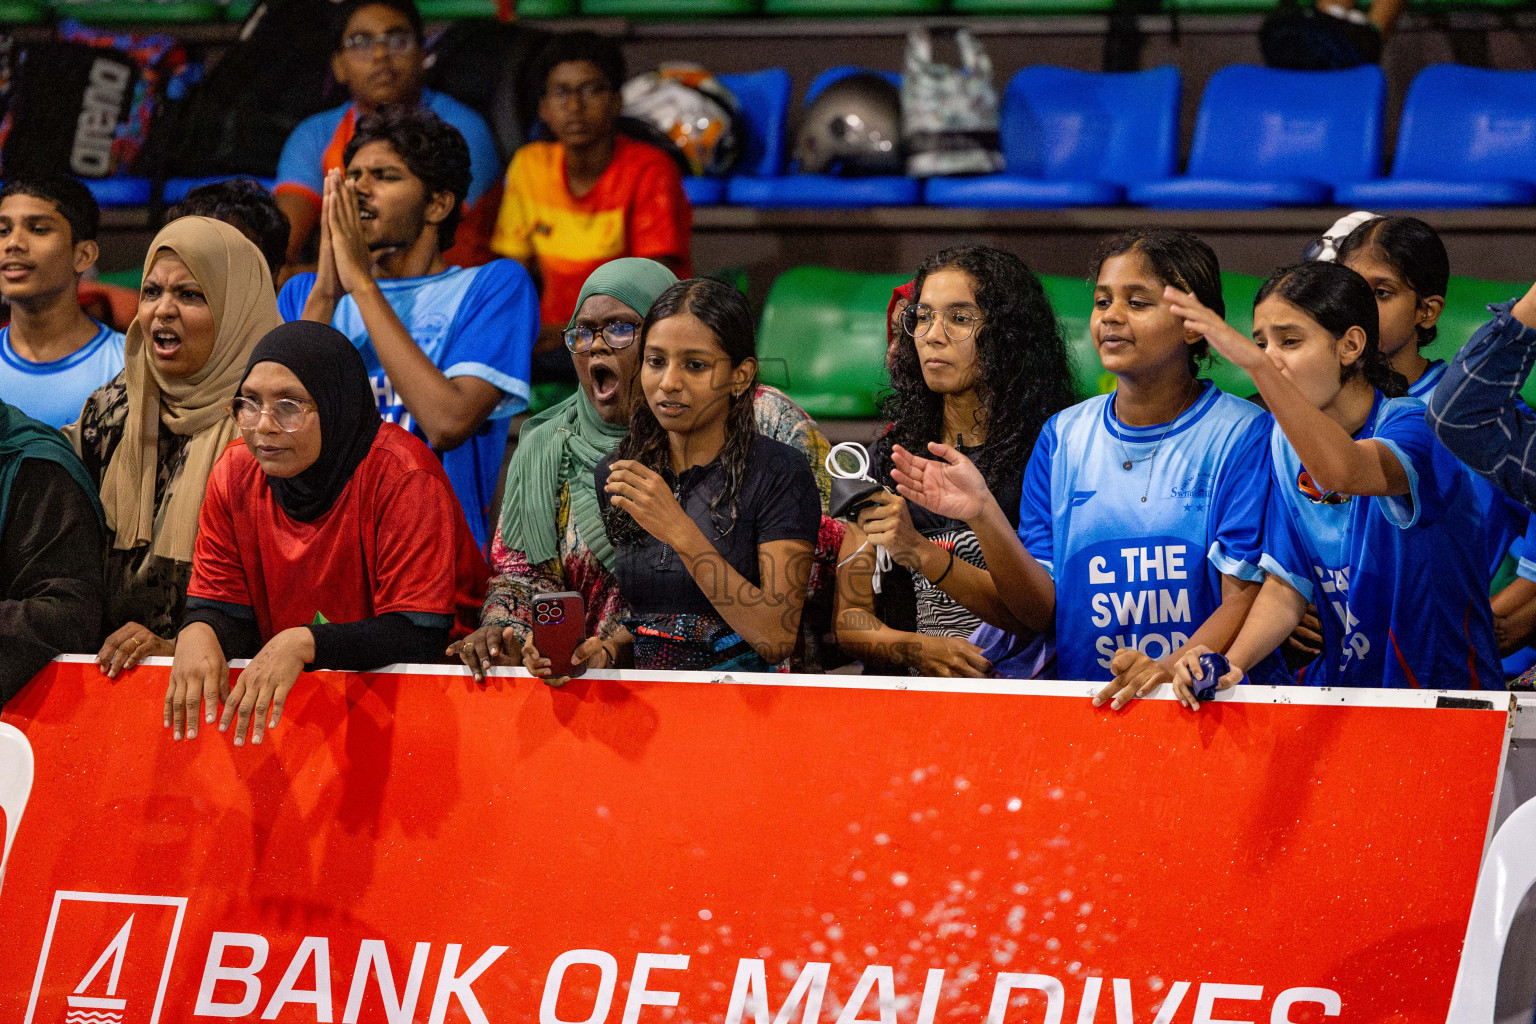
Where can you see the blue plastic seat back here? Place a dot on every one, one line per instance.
(1089, 126)
(1468, 124)
(827, 77)
(1260, 123)
(763, 97)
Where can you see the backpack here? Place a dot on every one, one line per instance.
(237, 118)
(67, 104)
(1306, 39)
(949, 115)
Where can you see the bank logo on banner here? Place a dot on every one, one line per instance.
(106, 958)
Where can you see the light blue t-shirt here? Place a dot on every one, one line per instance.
(54, 392)
(303, 156)
(1504, 518)
(1400, 582)
(471, 322)
(1134, 573)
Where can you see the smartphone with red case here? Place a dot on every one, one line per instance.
(559, 627)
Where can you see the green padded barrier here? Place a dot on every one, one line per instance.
(140, 12)
(1466, 309)
(1237, 290)
(667, 8)
(543, 396)
(1221, 6)
(123, 278)
(458, 10)
(822, 339)
(1000, 7)
(823, 8)
(21, 13)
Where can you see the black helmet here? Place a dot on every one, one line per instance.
(853, 127)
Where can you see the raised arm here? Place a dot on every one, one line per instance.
(1475, 410)
(448, 409)
(953, 486)
(1335, 461)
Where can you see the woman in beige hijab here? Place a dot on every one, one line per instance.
(150, 436)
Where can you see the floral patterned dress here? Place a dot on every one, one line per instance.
(141, 587)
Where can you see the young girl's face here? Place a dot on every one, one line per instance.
(686, 376)
(1132, 327)
(1398, 305)
(1304, 351)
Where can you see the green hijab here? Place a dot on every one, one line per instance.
(564, 444)
(22, 437)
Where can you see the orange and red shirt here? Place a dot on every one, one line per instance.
(395, 541)
(637, 208)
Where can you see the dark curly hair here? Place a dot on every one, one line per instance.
(432, 148)
(724, 310)
(73, 201)
(1338, 299)
(1410, 247)
(1177, 258)
(245, 204)
(1023, 377)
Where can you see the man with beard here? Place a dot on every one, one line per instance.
(447, 348)
(380, 60)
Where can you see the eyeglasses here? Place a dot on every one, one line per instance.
(959, 324)
(287, 413)
(586, 92)
(396, 40)
(619, 334)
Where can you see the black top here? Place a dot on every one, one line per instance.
(50, 573)
(778, 501)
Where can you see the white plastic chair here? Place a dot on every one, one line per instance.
(16, 771)
(1508, 873)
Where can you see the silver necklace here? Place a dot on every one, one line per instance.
(1148, 459)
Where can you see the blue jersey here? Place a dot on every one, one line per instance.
(1504, 518)
(303, 162)
(54, 392)
(1400, 582)
(471, 322)
(1134, 573)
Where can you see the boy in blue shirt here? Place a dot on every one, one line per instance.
(52, 355)
(447, 348)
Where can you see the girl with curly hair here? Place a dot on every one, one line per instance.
(979, 365)
(1369, 516)
(1142, 520)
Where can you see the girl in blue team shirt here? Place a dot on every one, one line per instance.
(1143, 511)
(1400, 580)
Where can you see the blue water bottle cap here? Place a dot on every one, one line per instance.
(1212, 667)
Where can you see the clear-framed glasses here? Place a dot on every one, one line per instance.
(287, 413)
(586, 92)
(619, 334)
(396, 40)
(959, 324)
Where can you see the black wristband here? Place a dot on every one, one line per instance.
(948, 567)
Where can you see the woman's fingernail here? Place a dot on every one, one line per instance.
(239, 741)
(176, 735)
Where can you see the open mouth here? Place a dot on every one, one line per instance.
(165, 343)
(366, 213)
(605, 383)
(670, 408)
(15, 271)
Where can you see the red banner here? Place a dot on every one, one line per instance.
(770, 850)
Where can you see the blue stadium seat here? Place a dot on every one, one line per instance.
(1075, 138)
(1266, 137)
(763, 99)
(825, 191)
(119, 191)
(704, 191)
(176, 189)
(1467, 138)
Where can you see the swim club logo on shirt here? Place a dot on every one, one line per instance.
(1138, 593)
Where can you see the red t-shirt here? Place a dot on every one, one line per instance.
(395, 541)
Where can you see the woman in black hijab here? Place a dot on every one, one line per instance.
(331, 540)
